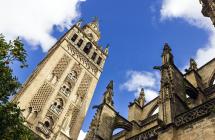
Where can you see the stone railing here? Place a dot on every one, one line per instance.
(195, 113)
(146, 135)
(40, 127)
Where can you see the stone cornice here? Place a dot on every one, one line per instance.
(195, 113)
(148, 134)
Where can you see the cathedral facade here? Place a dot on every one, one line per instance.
(57, 95)
(184, 109)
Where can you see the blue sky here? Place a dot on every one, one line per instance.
(136, 31)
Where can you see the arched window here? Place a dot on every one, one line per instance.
(80, 42)
(117, 131)
(99, 60)
(57, 106)
(87, 48)
(94, 56)
(48, 123)
(74, 37)
(73, 75)
(65, 89)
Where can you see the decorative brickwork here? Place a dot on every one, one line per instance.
(83, 88)
(82, 58)
(61, 66)
(41, 97)
(75, 113)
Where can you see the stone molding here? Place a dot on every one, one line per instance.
(195, 114)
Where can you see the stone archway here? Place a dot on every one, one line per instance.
(120, 122)
(106, 120)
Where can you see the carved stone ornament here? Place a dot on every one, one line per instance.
(82, 58)
(195, 113)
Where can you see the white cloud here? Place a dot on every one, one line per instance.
(82, 135)
(190, 11)
(147, 80)
(33, 20)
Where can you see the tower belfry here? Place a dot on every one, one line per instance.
(57, 95)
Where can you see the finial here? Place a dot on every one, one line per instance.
(106, 50)
(110, 85)
(95, 19)
(166, 47)
(108, 95)
(141, 98)
(193, 64)
(167, 57)
(95, 23)
(142, 91)
(79, 22)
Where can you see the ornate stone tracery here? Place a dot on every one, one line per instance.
(41, 97)
(195, 113)
(60, 67)
(83, 88)
(82, 58)
(146, 135)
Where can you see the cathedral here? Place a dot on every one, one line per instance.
(184, 109)
(56, 97)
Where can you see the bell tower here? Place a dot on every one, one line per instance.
(57, 95)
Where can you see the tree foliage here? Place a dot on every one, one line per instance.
(11, 121)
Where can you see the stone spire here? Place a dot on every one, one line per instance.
(193, 64)
(141, 98)
(167, 57)
(106, 50)
(92, 30)
(79, 23)
(94, 25)
(108, 95)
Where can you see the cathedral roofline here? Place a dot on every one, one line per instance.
(213, 59)
(132, 103)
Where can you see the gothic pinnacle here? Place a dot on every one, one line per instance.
(106, 50)
(141, 98)
(167, 47)
(110, 85)
(193, 64)
(108, 95)
(167, 57)
(79, 22)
